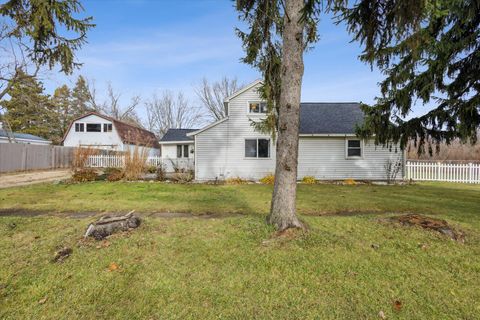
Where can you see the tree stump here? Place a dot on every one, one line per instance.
(108, 225)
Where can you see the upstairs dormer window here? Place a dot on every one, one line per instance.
(257, 107)
(79, 127)
(94, 127)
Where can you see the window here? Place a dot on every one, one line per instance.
(94, 127)
(107, 127)
(257, 148)
(257, 107)
(354, 148)
(182, 150)
(79, 127)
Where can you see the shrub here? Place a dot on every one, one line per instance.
(152, 169)
(183, 177)
(309, 180)
(268, 179)
(80, 157)
(84, 175)
(114, 174)
(161, 173)
(135, 163)
(349, 182)
(236, 180)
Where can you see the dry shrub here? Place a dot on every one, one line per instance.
(114, 174)
(183, 177)
(268, 179)
(84, 175)
(161, 172)
(135, 163)
(309, 180)
(236, 180)
(350, 182)
(80, 157)
(151, 169)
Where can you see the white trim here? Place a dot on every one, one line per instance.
(255, 114)
(341, 135)
(361, 149)
(207, 127)
(177, 142)
(247, 87)
(257, 157)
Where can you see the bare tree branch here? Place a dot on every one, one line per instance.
(212, 96)
(171, 111)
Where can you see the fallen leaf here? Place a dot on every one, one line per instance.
(381, 315)
(43, 300)
(397, 305)
(113, 266)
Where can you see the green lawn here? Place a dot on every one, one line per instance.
(236, 267)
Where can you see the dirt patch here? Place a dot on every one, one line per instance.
(15, 212)
(32, 177)
(425, 222)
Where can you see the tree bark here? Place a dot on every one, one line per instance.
(283, 209)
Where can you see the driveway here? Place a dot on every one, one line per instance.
(8, 180)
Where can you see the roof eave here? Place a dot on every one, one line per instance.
(247, 87)
(191, 134)
(176, 142)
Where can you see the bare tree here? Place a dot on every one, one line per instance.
(171, 111)
(212, 96)
(112, 107)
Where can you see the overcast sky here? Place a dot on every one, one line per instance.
(143, 46)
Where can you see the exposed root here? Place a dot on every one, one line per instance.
(284, 223)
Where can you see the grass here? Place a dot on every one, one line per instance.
(236, 267)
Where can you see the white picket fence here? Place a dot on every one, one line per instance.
(117, 161)
(438, 171)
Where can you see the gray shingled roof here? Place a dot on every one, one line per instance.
(177, 135)
(330, 118)
(19, 135)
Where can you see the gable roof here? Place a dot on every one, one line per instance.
(24, 136)
(242, 90)
(330, 118)
(177, 135)
(128, 133)
(322, 118)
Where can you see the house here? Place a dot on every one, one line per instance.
(175, 144)
(100, 131)
(22, 138)
(328, 146)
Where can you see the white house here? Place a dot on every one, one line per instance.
(175, 144)
(99, 131)
(328, 146)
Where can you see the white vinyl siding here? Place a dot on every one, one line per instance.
(324, 158)
(220, 151)
(102, 140)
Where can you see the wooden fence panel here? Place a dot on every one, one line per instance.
(22, 157)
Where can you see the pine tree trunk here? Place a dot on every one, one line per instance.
(283, 210)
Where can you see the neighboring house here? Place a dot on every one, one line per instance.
(23, 138)
(102, 132)
(175, 144)
(328, 146)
